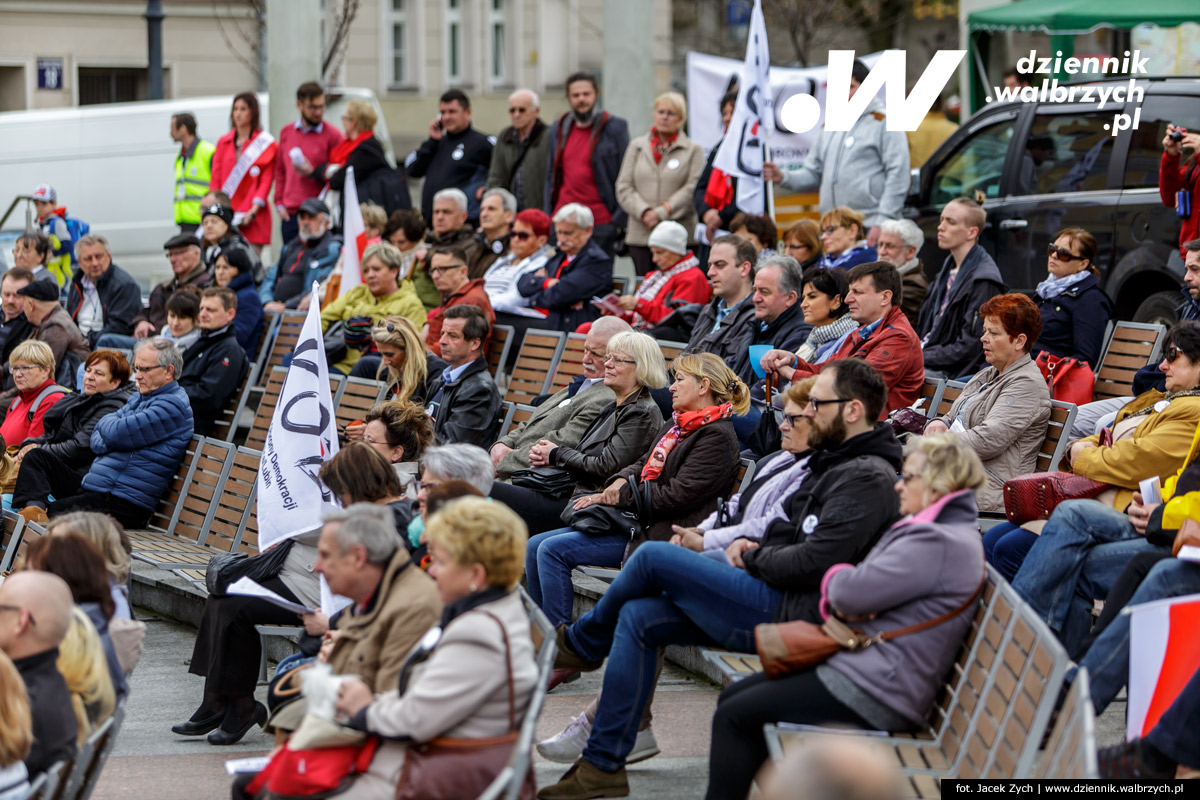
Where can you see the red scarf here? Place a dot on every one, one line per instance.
(686, 422)
(343, 149)
(658, 145)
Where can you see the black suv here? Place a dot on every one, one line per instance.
(1039, 167)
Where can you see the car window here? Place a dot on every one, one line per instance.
(1145, 146)
(1066, 153)
(976, 166)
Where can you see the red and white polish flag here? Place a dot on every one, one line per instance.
(1164, 653)
(354, 235)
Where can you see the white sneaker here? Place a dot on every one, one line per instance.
(566, 747)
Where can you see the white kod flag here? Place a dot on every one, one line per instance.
(354, 236)
(753, 121)
(302, 436)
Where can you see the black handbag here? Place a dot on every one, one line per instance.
(225, 568)
(602, 520)
(550, 481)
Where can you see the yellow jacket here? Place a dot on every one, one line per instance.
(1180, 508)
(359, 302)
(1158, 446)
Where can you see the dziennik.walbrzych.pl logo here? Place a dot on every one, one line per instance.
(1050, 91)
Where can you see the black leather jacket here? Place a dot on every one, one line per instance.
(470, 407)
(617, 437)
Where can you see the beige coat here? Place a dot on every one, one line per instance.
(461, 691)
(1005, 417)
(642, 185)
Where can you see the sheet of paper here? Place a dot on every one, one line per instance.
(249, 588)
(1151, 490)
(957, 427)
(1189, 552)
(331, 603)
(236, 766)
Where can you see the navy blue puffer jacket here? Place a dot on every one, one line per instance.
(139, 447)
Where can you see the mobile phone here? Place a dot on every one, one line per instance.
(441, 127)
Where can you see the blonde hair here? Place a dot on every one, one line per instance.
(478, 531)
(405, 335)
(950, 464)
(363, 114)
(723, 383)
(84, 667)
(843, 215)
(373, 216)
(799, 391)
(16, 721)
(976, 215)
(676, 102)
(33, 351)
(390, 255)
(105, 533)
(645, 350)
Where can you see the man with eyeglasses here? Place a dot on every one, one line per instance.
(900, 243)
(302, 145)
(138, 448)
(519, 158)
(949, 323)
(448, 271)
(35, 613)
(667, 594)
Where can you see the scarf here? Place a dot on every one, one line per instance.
(344, 148)
(846, 255)
(1052, 287)
(823, 334)
(1167, 398)
(686, 423)
(657, 280)
(658, 147)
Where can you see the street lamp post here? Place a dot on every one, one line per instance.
(154, 16)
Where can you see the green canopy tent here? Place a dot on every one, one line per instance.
(1061, 20)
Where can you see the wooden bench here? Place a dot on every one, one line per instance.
(672, 350)
(951, 391)
(10, 536)
(358, 396)
(14, 555)
(531, 373)
(931, 396)
(520, 413)
(257, 437)
(499, 343)
(225, 428)
(1070, 750)
(287, 334)
(570, 362)
(1129, 347)
(732, 666)
(90, 760)
(163, 518)
(992, 711)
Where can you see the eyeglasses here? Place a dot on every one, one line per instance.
(515, 110)
(437, 270)
(1169, 355)
(830, 229)
(138, 369)
(520, 235)
(615, 360)
(427, 486)
(816, 404)
(371, 441)
(792, 420)
(1062, 253)
(18, 609)
(24, 367)
(908, 477)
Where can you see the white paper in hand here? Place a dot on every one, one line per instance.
(331, 603)
(246, 587)
(1189, 552)
(1151, 490)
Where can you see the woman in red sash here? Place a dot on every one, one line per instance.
(243, 167)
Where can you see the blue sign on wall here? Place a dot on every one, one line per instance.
(737, 12)
(50, 73)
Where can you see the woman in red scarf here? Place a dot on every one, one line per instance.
(243, 166)
(657, 178)
(360, 149)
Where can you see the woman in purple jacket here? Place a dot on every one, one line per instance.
(927, 564)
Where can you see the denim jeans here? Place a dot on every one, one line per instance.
(116, 341)
(665, 594)
(549, 559)
(1005, 547)
(1107, 660)
(1079, 555)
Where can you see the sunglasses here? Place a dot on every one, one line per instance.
(1171, 353)
(520, 235)
(830, 229)
(515, 110)
(1062, 254)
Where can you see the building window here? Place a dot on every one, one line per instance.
(499, 41)
(399, 25)
(111, 85)
(454, 40)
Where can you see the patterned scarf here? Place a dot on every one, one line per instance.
(658, 279)
(659, 146)
(686, 422)
(1052, 287)
(825, 333)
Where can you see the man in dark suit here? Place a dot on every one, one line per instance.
(464, 402)
(564, 288)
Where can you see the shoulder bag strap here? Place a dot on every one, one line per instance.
(512, 702)
(932, 623)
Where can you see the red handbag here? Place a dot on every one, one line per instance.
(1069, 379)
(1035, 496)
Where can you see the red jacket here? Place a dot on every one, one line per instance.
(689, 286)
(292, 188)
(17, 426)
(894, 350)
(255, 185)
(473, 294)
(1172, 176)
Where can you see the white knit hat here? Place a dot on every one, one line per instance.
(669, 235)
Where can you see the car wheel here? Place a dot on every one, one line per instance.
(1158, 308)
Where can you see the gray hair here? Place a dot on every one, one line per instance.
(369, 526)
(535, 101)
(646, 352)
(576, 214)
(610, 326)
(387, 253)
(791, 276)
(506, 197)
(92, 239)
(166, 354)
(908, 231)
(461, 462)
(457, 195)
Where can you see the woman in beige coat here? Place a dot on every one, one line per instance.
(1003, 411)
(456, 684)
(658, 177)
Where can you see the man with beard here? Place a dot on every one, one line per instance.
(311, 256)
(306, 142)
(667, 594)
(583, 159)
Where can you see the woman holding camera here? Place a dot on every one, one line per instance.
(1179, 179)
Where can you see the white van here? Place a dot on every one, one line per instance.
(113, 167)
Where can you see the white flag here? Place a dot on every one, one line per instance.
(302, 437)
(354, 236)
(753, 121)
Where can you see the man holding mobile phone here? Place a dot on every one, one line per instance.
(454, 156)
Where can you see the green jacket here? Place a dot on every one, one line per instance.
(359, 302)
(533, 166)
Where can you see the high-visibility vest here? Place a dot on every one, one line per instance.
(191, 182)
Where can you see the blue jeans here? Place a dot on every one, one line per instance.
(1177, 733)
(1107, 660)
(1079, 555)
(665, 594)
(1005, 547)
(116, 341)
(549, 559)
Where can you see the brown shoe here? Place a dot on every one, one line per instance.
(566, 657)
(34, 514)
(584, 781)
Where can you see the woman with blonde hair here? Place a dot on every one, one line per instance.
(473, 680)
(407, 378)
(844, 235)
(110, 541)
(83, 666)
(31, 365)
(360, 149)
(802, 242)
(657, 178)
(16, 732)
(399, 431)
(692, 465)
